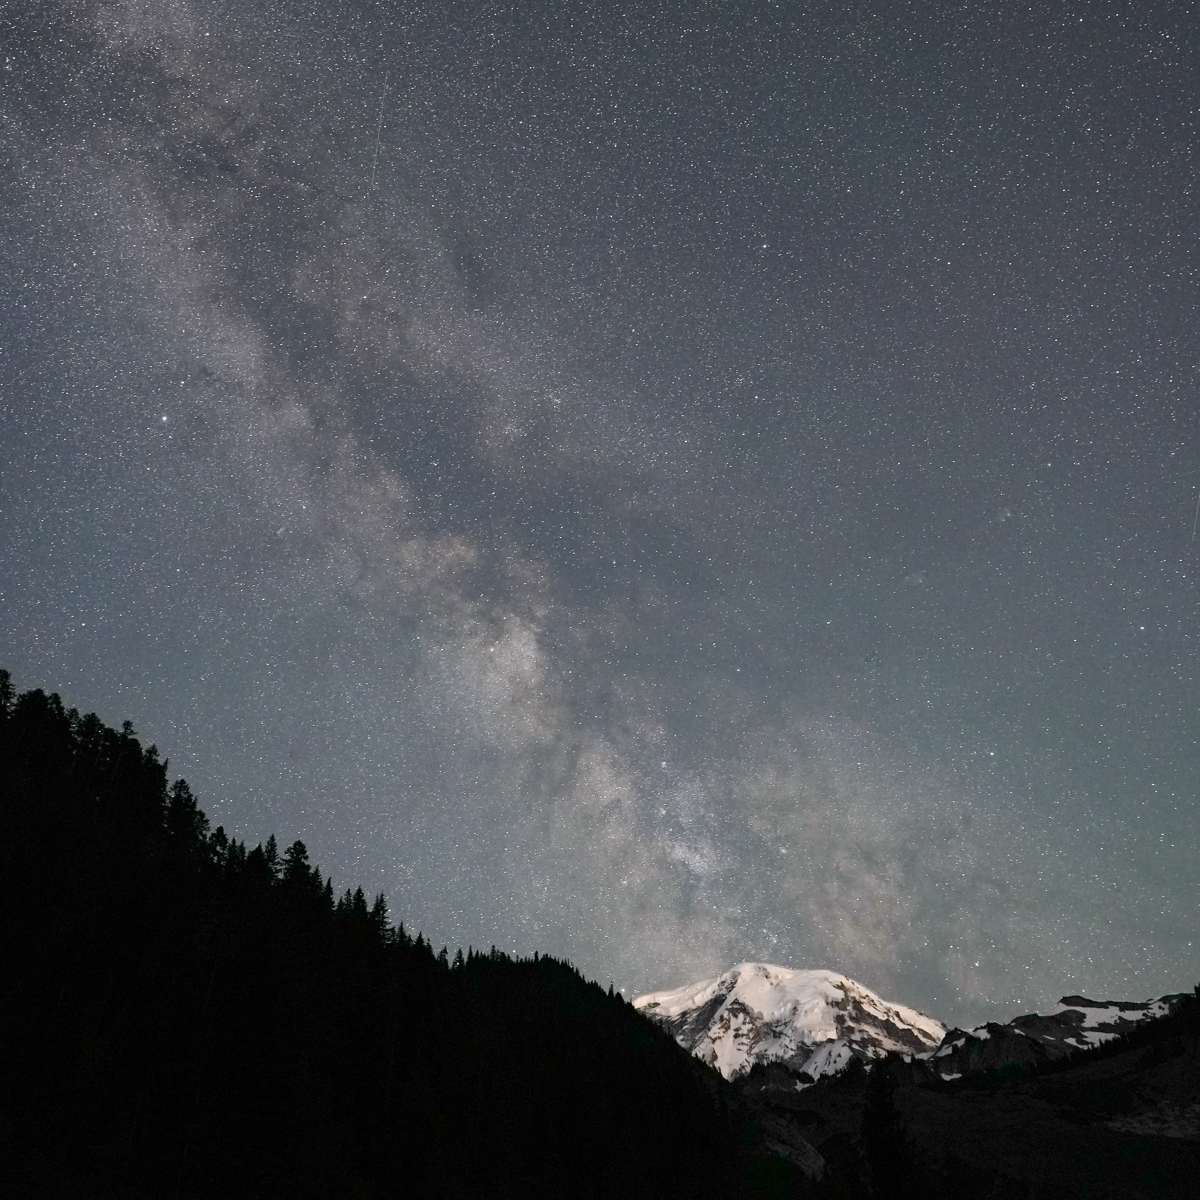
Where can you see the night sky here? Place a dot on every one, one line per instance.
(661, 485)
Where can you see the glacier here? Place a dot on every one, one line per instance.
(813, 1021)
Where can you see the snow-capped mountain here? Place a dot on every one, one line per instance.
(815, 1022)
(811, 1021)
(1075, 1023)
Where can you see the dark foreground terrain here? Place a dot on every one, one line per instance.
(1119, 1121)
(184, 1017)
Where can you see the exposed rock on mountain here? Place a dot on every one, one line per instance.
(814, 1022)
(1076, 1023)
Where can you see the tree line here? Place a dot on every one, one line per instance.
(186, 1016)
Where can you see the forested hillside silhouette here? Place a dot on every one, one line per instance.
(185, 1017)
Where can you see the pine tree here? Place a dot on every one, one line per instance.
(295, 864)
(378, 917)
(184, 818)
(218, 844)
(271, 856)
(889, 1155)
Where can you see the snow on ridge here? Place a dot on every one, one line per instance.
(1102, 1013)
(829, 1058)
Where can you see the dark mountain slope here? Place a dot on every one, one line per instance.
(184, 1017)
(1118, 1121)
(1103, 1127)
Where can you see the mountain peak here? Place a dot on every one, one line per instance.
(812, 1020)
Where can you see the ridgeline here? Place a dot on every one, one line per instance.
(184, 1017)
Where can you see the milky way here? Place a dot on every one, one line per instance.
(659, 488)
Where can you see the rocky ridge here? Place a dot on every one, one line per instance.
(1075, 1023)
(816, 1023)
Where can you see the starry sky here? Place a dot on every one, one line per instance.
(659, 484)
